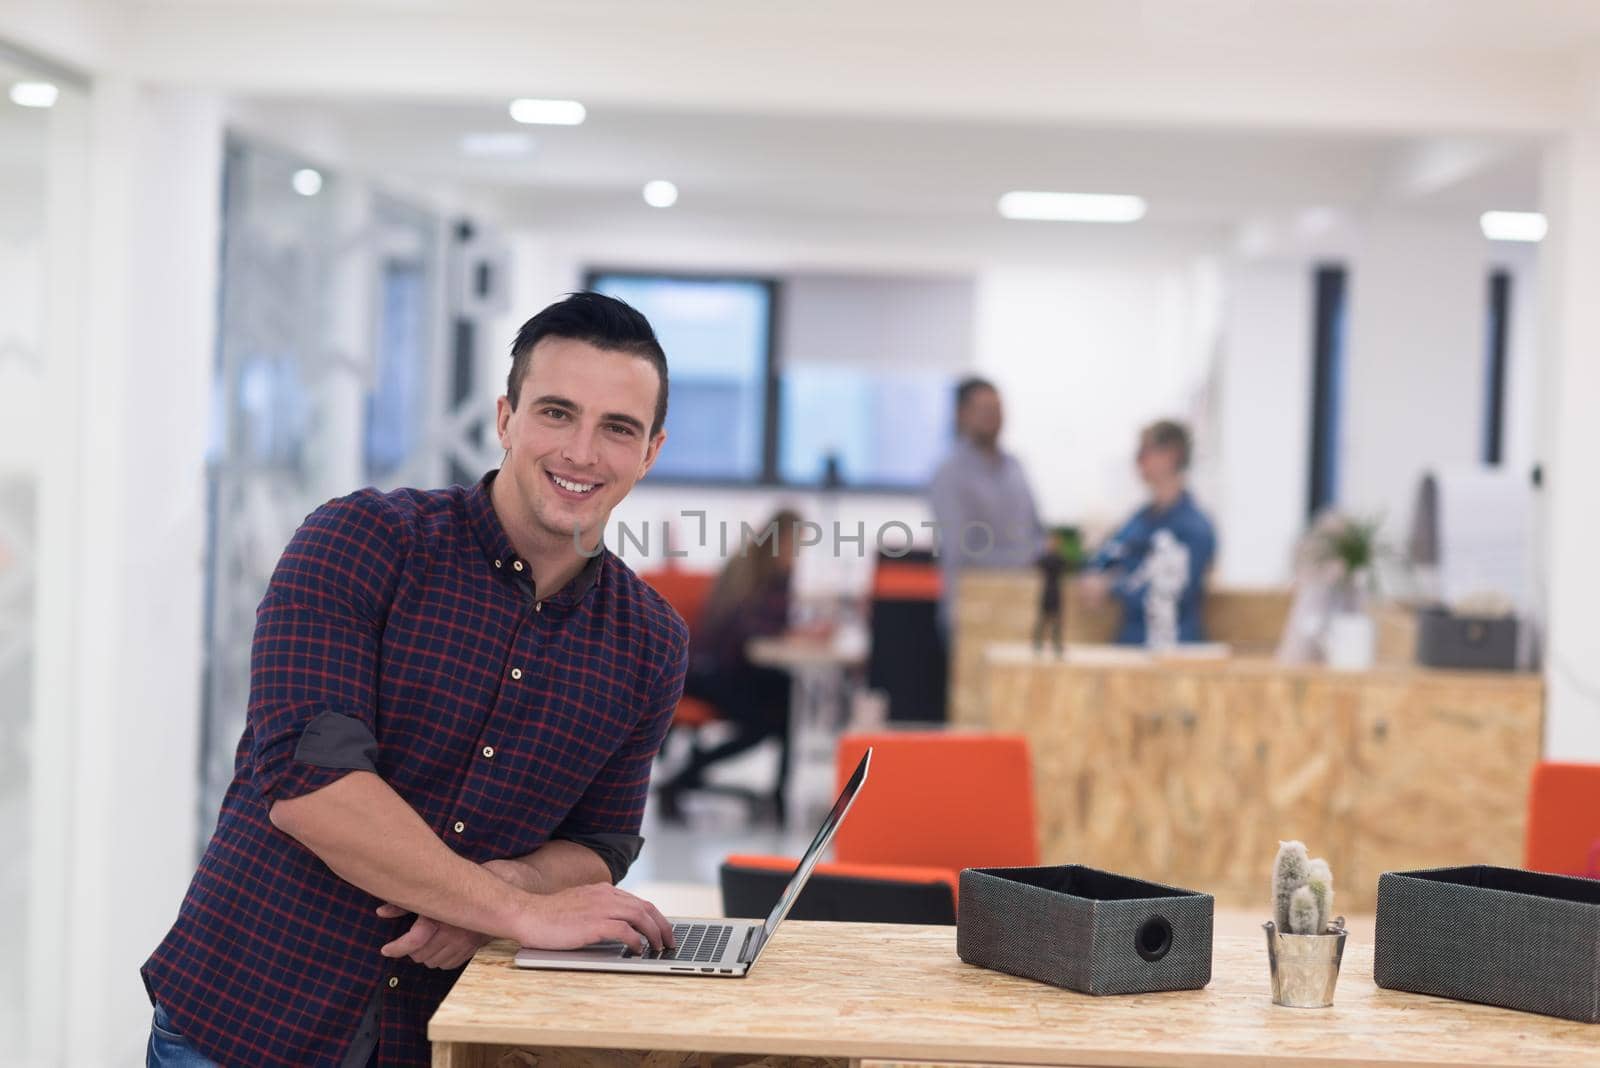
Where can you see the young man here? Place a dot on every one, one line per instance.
(1157, 563)
(454, 705)
(980, 496)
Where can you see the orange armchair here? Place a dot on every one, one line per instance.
(686, 592)
(1563, 834)
(934, 803)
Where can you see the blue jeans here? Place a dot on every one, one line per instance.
(168, 1049)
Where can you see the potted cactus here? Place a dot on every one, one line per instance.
(1305, 941)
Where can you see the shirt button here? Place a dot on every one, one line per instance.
(394, 981)
(517, 564)
(488, 752)
(460, 826)
(516, 673)
(538, 606)
(499, 563)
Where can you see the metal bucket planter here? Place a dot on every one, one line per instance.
(1305, 968)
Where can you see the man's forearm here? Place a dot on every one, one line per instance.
(368, 836)
(560, 865)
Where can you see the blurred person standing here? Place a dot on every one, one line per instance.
(1156, 564)
(980, 498)
(750, 599)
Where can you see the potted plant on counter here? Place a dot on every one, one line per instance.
(1349, 547)
(1305, 941)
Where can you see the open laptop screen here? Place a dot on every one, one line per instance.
(797, 882)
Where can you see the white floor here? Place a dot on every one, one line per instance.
(679, 863)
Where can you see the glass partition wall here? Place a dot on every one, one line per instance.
(43, 146)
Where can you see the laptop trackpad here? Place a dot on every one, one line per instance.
(598, 951)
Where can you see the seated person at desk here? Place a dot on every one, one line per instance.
(1156, 564)
(749, 600)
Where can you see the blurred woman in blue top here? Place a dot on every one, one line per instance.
(1156, 564)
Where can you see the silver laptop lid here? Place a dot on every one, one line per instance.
(802, 873)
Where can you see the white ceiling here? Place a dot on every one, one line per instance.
(948, 171)
(1415, 66)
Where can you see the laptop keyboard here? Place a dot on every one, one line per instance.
(699, 942)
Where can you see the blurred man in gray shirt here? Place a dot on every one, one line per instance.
(980, 497)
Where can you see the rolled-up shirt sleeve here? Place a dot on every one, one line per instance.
(607, 817)
(314, 659)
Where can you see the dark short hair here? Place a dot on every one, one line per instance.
(594, 319)
(1169, 434)
(968, 386)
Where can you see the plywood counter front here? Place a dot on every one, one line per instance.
(832, 994)
(1190, 772)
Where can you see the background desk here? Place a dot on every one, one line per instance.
(1001, 605)
(1190, 772)
(831, 994)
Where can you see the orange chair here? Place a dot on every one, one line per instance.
(686, 591)
(1563, 833)
(938, 799)
(934, 803)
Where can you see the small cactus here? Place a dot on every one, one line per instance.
(1303, 911)
(1302, 891)
(1319, 880)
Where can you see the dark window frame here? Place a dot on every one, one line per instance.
(1329, 322)
(770, 476)
(1498, 329)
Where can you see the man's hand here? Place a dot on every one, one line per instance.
(440, 945)
(572, 918)
(584, 915)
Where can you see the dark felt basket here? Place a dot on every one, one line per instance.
(1085, 930)
(1471, 643)
(1500, 936)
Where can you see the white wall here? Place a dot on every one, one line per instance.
(1088, 333)
(1264, 421)
(1085, 354)
(139, 427)
(1414, 361)
(1569, 442)
(1415, 377)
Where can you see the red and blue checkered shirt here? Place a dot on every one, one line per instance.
(406, 623)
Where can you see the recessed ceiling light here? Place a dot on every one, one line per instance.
(548, 112)
(306, 182)
(497, 144)
(1072, 207)
(34, 94)
(1514, 225)
(660, 193)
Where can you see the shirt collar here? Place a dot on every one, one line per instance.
(491, 538)
(972, 456)
(1182, 504)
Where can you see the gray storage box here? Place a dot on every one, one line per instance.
(1475, 643)
(1500, 936)
(1084, 929)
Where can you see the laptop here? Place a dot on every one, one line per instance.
(720, 948)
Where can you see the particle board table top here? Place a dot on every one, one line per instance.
(899, 993)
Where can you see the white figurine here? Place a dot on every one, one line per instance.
(1164, 574)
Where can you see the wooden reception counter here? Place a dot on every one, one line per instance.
(1002, 605)
(1189, 772)
(834, 995)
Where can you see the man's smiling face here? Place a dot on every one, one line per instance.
(579, 436)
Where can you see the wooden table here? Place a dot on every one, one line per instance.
(824, 670)
(834, 994)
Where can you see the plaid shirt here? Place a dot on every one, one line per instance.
(402, 633)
